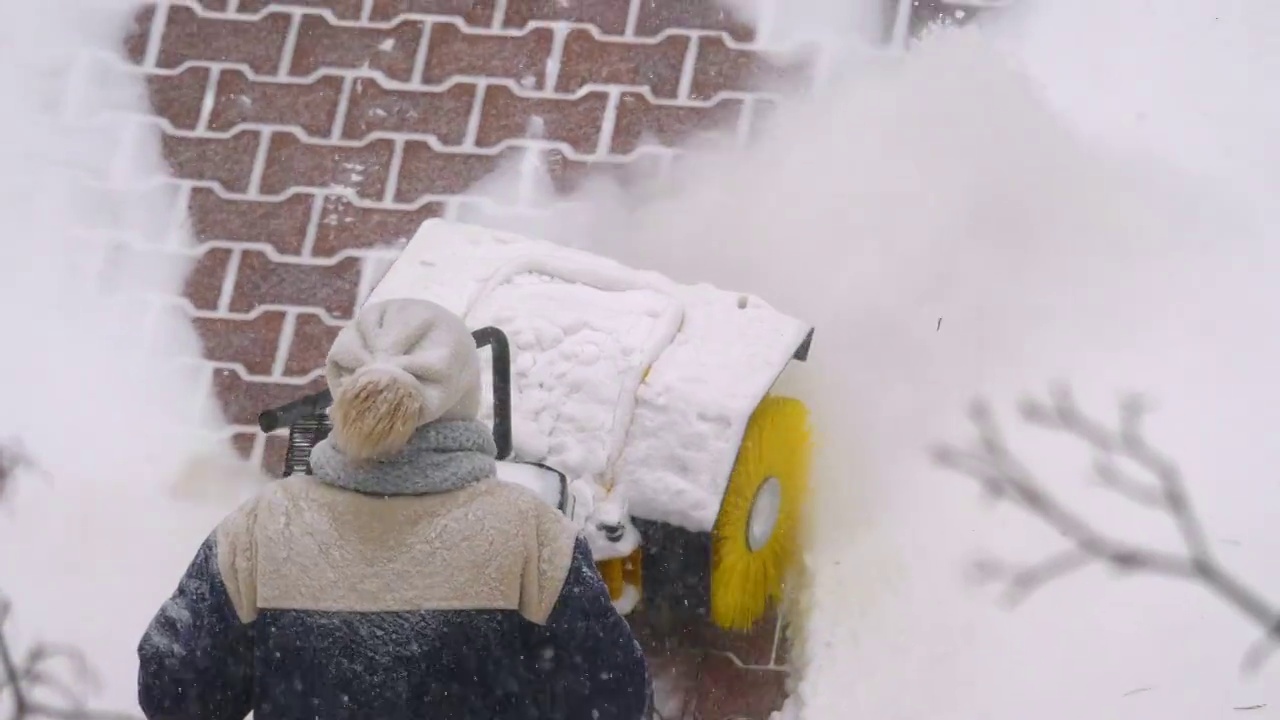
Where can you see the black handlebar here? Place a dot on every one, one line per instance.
(291, 412)
(494, 338)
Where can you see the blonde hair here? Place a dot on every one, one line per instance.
(375, 412)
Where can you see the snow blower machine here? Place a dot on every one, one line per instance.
(638, 406)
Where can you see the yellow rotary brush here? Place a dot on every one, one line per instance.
(755, 536)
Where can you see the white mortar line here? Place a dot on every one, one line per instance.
(208, 99)
(335, 21)
(192, 311)
(241, 372)
(462, 148)
(340, 117)
(633, 17)
(393, 172)
(276, 256)
(229, 281)
(420, 60)
(688, 68)
(445, 85)
(366, 11)
(607, 123)
(259, 163)
(313, 224)
(284, 343)
(500, 14)
(159, 19)
(551, 74)
(389, 82)
(473, 120)
(290, 42)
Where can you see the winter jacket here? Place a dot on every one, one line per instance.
(413, 588)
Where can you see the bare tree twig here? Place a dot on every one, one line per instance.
(13, 457)
(1002, 476)
(1261, 651)
(21, 681)
(1021, 581)
(1109, 475)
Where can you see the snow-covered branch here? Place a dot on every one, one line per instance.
(11, 458)
(1005, 477)
(31, 686)
(47, 681)
(14, 457)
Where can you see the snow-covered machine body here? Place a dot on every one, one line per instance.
(631, 396)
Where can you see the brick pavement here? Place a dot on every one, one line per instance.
(309, 138)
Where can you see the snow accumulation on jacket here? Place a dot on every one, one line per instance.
(418, 587)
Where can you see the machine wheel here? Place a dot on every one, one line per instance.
(755, 536)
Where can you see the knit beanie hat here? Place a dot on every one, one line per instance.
(398, 365)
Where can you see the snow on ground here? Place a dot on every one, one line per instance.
(951, 227)
(95, 537)
(1081, 191)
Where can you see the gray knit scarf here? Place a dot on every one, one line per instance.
(441, 456)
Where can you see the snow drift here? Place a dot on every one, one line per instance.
(93, 535)
(954, 228)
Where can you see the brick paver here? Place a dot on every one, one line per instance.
(309, 139)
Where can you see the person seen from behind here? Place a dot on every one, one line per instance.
(401, 580)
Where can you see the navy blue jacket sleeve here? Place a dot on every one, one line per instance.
(196, 658)
(599, 670)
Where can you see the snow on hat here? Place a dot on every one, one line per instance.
(398, 365)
